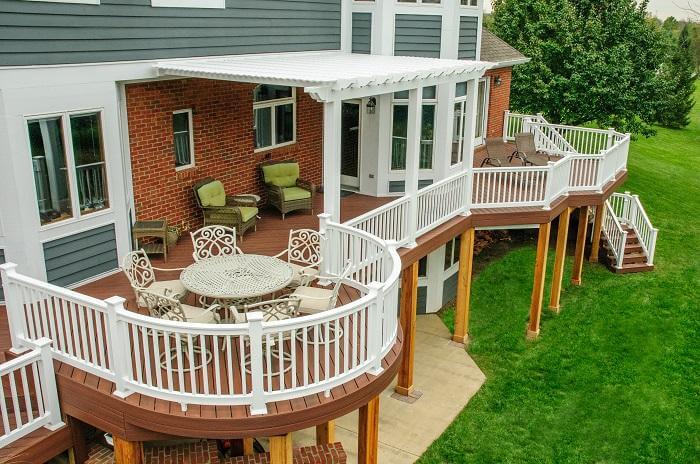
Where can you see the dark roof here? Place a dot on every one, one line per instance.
(494, 49)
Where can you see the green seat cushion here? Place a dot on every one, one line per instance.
(247, 212)
(281, 174)
(212, 194)
(295, 193)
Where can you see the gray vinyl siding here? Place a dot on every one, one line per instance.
(2, 261)
(418, 35)
(449, 289)
(121, 30)
(468, 32)
(399, 186)
(81, 256)
(361, 32)
(422, 301)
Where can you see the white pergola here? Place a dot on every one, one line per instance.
(330, 78)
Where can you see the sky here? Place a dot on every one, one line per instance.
(660, 8)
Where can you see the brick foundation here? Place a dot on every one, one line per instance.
(223, 144)
(499, 100)
(205, 452)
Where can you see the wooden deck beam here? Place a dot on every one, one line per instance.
(281, 449)
(464, 284)
(368, 433)
(559, 260)
(580, 245)
(127, 452)
(409, 299)
(597, 226)
(533, 328)
(325, 433)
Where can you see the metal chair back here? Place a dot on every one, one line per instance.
(212, 241)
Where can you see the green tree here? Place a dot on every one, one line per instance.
(592, 60)
(678, 77)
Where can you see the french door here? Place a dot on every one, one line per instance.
(350, 143)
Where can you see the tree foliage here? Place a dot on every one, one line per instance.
(678, 78)
(592, 60)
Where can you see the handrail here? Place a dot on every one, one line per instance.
(615, 235)
(629, 209)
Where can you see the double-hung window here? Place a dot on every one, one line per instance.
(183, 140)
(69, 165)
(400, 129)
(274, 116)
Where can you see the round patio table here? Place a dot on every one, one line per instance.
(237, 277)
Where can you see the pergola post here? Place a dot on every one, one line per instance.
(580, 245)
(409, 298)
(248, 446)
(597, 226)
(368, 433)
(281, 449)
(464, 283)
(413, 135)
(325, 433)
(559, 260)
(533, 328)
(127, 452)
(331, 158)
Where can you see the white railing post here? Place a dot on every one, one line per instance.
(468, 191)
(374, 327)
(118, 345)
(548, 186)
(611, 135)
(621, 250)
(652, 247)
(48, 385)
(506, 124)
(326, 248)
(255, 336)
(14, 307)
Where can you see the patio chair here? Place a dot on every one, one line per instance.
(525, 148)
(314, 300)
(495, 147)
(285, 190)
(303, 255)
(212, 241)
(142, 277)
(237, 211)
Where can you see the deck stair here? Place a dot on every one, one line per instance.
(629, 239)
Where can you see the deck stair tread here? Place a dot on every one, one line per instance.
(634, 258)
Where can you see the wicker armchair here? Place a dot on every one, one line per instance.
(285, 190)
(239, 211)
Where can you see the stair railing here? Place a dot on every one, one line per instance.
(615, 235)
(32, 402)
(630, 212)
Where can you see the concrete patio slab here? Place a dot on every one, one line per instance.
(446, 376)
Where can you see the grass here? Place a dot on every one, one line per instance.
(615, 377)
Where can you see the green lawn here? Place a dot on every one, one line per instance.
(616, 376)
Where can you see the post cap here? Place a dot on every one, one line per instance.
(8, 266)
(115, 301)
(255, 316)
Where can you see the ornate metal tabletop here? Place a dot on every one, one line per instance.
(238, 276)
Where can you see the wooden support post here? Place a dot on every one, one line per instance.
(248, 446)
(409, 299)
(127, 452)
(78, 430)
(464, 284)
(325, 433)
(281, 449)
(368, 433)
(559, 259)
(597, 226)
(533, 328)
(580, 245)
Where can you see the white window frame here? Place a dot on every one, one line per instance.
(419, 2)
(425, 102)
(70, 166)
(191, 134)
(218, 4)
(462, 101)
(83, 2)
(273, 104)
(478, 4)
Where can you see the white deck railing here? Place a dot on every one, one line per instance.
(614, 234)
(33, 401)
(629, 211)
(164, 359)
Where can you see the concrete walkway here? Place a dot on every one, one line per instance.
(446, 376)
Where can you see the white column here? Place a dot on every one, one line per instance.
(442, 155)
(346, 26)
(383, 29)
(384, 110)
(415, 104)
(331, 159)
(468, 142)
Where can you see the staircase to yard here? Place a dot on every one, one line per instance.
(629, 239)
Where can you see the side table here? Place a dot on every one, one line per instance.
(152, 229)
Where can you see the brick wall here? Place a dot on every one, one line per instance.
(324, 454)
(223, 143)
(499, 100)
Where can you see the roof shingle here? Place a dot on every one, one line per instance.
(495, 50)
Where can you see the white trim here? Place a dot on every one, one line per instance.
(510, 63)
(190, 130)
(220, 4)
(73, 232)
(273, 104)
(350, 181)
(84, 2)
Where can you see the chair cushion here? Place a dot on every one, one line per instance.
(195, 314)
(281, 174)
(248, 212)
(212, 194)
(298, 270)
(312, 299)
(171, 288)
(295, 193)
